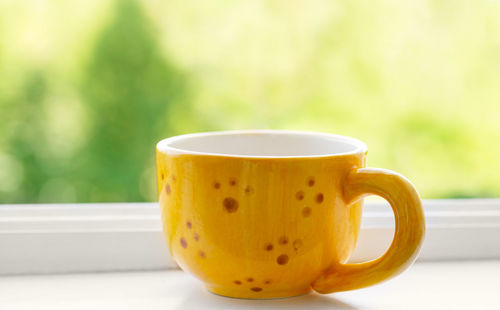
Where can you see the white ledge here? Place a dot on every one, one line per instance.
(63, 238)
(429, 286)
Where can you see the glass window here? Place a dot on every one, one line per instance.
(88, 87)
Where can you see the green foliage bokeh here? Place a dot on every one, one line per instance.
(88, 87)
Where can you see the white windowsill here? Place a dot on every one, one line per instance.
(66, 238)
(429, 286)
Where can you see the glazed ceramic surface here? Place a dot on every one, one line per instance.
(265, 214)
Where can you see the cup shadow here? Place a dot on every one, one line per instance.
(202, 299)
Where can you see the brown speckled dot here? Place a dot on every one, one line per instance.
(256, 289)
(230, 204)
(232, 182)
(249, 279)
(310, 181)
(202, 254)
(282, 259)
(306, 212)
(196, 237)
(237, 282)
(283, 240)
(297, 244)
(189, 225)
(216, 185)
(167, 189)
(162, 176)
(267, 282)
(319, 198)
(248, 190)
(174, 178)
(299, 195)
(269, 247)
(184, 243)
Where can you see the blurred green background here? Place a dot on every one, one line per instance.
(88, 87)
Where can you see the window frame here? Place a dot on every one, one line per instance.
(100, 237)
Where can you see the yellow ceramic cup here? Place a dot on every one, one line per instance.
(264, 214)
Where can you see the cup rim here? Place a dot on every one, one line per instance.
(165, 146)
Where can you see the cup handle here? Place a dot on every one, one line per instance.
(408, 235)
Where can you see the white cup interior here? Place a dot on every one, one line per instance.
(262, 143)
